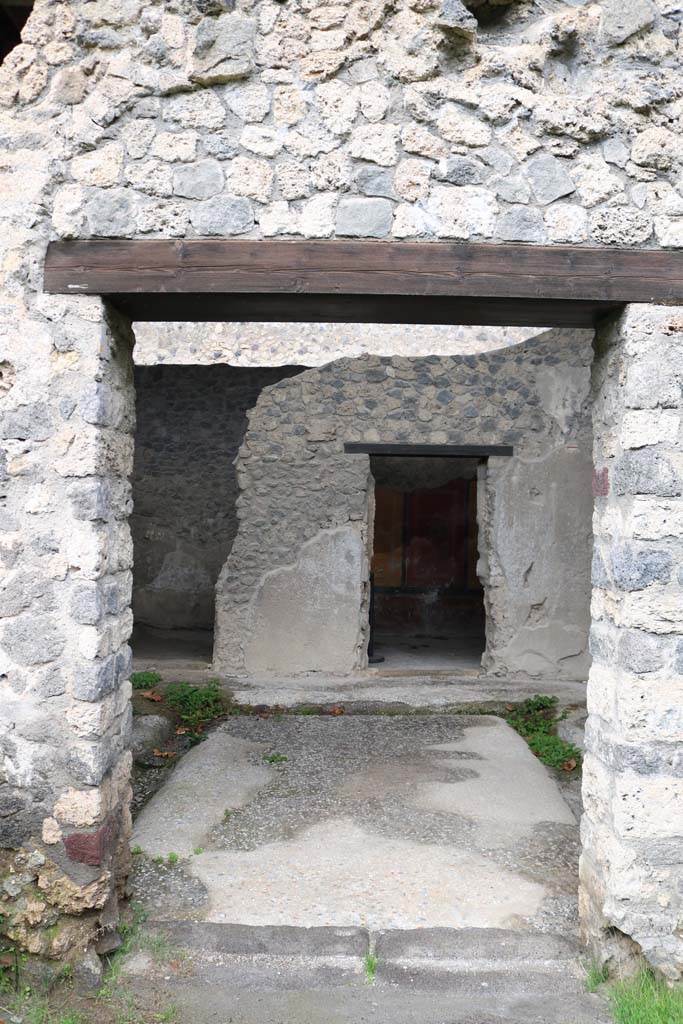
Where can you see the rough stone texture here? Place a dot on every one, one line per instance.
(84, 99)
(64, 766)
(622, 20)
(190, 424)
(192, 109)
(633, 795)
(310, 344)
(454, 17)
(298, 489)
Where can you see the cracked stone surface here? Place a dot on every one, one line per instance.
(374, 821)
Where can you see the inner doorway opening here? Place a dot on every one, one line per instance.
(427, 606)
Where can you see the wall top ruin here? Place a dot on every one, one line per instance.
(384, 118)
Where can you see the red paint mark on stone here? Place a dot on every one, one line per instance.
(89, 847)
(601, 482)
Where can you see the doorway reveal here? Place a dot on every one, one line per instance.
(428, 603)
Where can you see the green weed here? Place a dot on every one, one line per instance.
(198, 850)
(596, 975)
(196, 704)
(144, 680)
(137, 851)
(167, 1016)
(370, 963)
(129, 931)
(157, 944)
(535, 719)
(645, 999)
(172, 859)
(275, 758)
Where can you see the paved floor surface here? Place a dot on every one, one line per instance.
(373, 821)
(435, 844)
(430, 653)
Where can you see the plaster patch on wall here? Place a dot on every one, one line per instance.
(535, 522)
(563, 396)
(306, 617)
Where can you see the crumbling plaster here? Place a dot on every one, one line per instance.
(279, 344)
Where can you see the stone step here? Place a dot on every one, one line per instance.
(488, 948)
(283, 975)
(264, 940)
(476, 945)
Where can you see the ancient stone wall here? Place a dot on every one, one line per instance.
(360, 119)
(293, 594)
(415, 119)
(633, 792)
(67, 433)
(190, 424)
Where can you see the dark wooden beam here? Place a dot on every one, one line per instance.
(383, 282)
(450, 451)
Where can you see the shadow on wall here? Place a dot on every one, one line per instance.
(190, 423)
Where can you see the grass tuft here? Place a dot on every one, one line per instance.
(196, 704)
(645, 999)
(370, 964)
(275, 758)
(596, 975)
(144, 680)
(535, 720)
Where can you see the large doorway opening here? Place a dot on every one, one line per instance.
(427, 601)
(191, 421)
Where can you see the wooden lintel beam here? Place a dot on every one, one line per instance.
(103, 267)
(207, 279)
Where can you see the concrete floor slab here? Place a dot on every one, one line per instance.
(508, 796)
(372, 821)
(214, 777)
(459, 654)
(339, 874)
(212, 986)
(203, 1000)
(404, 687)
